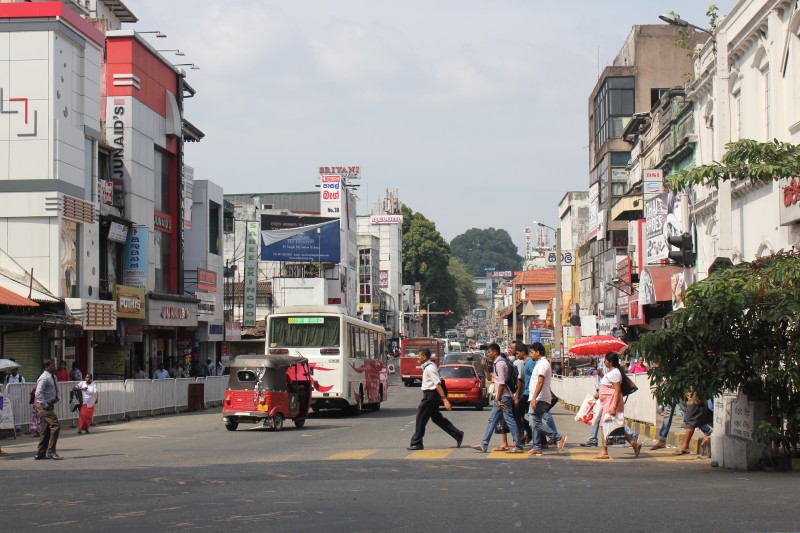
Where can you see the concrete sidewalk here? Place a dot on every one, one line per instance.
(647, 432)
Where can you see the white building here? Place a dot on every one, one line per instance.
(747, 86)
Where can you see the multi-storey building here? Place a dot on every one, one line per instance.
(647, 65)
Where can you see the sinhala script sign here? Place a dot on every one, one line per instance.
(567, 258)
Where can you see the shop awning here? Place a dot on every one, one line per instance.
(13, 299)
(655, 284)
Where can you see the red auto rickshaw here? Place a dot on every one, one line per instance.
(267, 389)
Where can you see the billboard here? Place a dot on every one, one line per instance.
(383, 279)
(273, 222)
(386, 219)
(330, 195)
(134, 258)
(306, 244)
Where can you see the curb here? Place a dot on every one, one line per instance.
(675, 438)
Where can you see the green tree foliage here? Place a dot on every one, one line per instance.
(466, 297)
(480, 248)
(426, 257)
(740, 329)
(745, 159)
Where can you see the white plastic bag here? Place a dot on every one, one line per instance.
(585, 413)
(612, 422)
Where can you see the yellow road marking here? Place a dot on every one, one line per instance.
(429, 454)
(504, 455)
(352, 454)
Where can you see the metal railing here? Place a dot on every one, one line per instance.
(120, 399)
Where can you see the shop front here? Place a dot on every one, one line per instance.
(170, 332)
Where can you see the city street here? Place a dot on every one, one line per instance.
(354, 474)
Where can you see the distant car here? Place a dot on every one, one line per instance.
(470, 358)
(464, 387)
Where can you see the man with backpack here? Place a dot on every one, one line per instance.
(505, 382)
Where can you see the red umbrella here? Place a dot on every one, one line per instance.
(596, 346)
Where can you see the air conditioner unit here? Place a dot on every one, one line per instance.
(267, 206)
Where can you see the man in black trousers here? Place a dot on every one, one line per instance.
(432, 392)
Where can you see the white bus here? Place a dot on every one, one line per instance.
(347, 355)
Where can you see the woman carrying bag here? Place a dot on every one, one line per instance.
(613, 405)
(89, 393)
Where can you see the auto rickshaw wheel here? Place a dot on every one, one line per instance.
(299, 422)
(231, 425)
(277, 422)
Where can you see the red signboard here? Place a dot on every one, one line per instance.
(206, 280)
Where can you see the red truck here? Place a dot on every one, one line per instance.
(409, 369)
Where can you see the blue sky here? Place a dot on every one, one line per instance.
(476, 111)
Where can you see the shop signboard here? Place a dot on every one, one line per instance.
(233, 331)
(386, 219)
(117, 232)
(134, 258)
(130, 301)
(206, 280)
(383, 279)
(655, 210)
(251, 274)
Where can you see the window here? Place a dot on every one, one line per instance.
(161, 189)
(213, 229)
(767, 125)
(736, 134)
(613, 107)
(163, 244)
(308, 333)
(89, 169)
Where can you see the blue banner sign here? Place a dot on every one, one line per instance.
(318, 243)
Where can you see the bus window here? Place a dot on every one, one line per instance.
(363, 344)
(353, 344)
(371, 345)
(304, 332)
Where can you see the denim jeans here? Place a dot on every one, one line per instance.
(508, 415)
(539, 428)
(669, 412)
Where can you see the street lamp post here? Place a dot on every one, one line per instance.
(557, 306)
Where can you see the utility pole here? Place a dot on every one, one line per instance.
(557, 310)
(514, 308)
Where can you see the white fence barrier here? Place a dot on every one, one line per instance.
(640, 406)
(120, 399)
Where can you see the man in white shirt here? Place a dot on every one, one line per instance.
(540, 398)
(160, 373)
(432, 392)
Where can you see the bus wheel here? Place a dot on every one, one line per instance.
(407, 382)
(299, 422)
(377, 405)
(277, 422)
(231, 425)
(358, 408)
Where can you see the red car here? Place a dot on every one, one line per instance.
(464, 386)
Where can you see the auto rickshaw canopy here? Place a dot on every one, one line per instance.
(266, 371)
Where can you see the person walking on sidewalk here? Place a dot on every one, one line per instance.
(47, 397)
(540, 399)
(428, 409)
(89, 393)
(503, 405)
(611, 398)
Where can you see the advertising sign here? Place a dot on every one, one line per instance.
(655, 212)
(330, 195)
(567, 258)
(105, 192)
(317, 243)
(134, 258)
(348, 173)
(789, 206)
(273, 222)
(383, 279)
(652, 182)
(250, 275)
(206, 280)
(117, 232)
(117, 128)
(233, 331)
(386, 219)
(594, 197)
(130, 301)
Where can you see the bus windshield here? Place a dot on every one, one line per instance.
(411, 350)
(304, 331)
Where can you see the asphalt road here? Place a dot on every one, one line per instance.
(338, 473)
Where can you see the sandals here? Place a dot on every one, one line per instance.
(658, 445)
(636, 449)
(535, 452)
(4, 454)
(500, 449)
(514, 450)
(602, 456)
(478, 447)
(681, 452)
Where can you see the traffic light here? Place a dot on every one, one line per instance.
(448, 312)
(684, 255)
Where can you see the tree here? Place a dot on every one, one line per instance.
(466, 297)
(739, 329)
(480, 248)
(426, 256)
